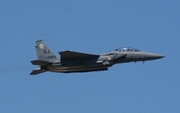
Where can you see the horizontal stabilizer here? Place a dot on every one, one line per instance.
(35, 72)
(73, 54)
(40, 62)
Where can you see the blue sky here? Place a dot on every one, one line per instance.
(94, 27)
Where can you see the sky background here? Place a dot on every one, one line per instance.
(92, 26)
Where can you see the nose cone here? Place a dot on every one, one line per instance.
(153, 56)
(156, 56)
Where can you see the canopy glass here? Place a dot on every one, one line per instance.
(127, 49)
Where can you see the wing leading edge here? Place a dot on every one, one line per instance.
(72, 54)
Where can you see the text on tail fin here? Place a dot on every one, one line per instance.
(44, 53)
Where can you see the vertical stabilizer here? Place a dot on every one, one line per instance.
(44, 53)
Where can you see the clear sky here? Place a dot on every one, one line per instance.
(92, 26)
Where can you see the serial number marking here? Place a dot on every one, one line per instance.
(50, 57)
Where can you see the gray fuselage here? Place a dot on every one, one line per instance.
(72, 61)
(102, 62)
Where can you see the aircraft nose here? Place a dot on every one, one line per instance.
(155, 56)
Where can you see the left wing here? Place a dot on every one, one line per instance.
(71, 54)
(71, 58)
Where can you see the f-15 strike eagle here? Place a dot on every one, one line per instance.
(72, 61)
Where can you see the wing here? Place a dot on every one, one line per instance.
(71, 58)
(71, 54)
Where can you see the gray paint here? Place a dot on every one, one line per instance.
(71, 61)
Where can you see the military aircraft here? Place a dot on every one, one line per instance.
(72, 61)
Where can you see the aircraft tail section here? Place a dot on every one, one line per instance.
(44, 53)
(45, 58)
(40, 62)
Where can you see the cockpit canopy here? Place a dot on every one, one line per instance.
(125, 49)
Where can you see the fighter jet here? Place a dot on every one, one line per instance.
(71, 61)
